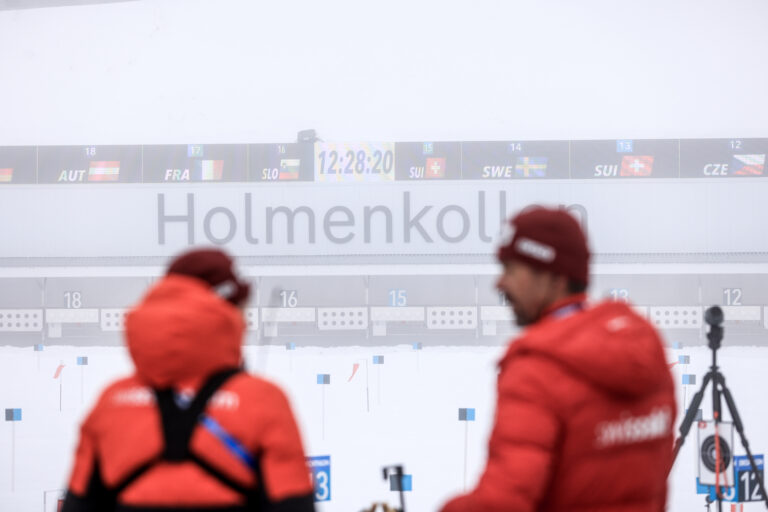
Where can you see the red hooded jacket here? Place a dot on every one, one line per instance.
(584, 418)
(180, 335)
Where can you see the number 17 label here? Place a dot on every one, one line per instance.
(320, 472)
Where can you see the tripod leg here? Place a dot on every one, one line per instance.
(690, 416)
(740, 429)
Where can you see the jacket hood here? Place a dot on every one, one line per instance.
(182, 332)
(608, 344)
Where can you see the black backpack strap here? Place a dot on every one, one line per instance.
(178, 423)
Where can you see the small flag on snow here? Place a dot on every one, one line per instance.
(82, 361)
(39, 347)
(58, 371)
(677, 345)
(323, 378)
(355, 367)
(466, 414)
(684, 359)
(290, 346)
(13, 415)
(417, 346)
(689, 378)
(405, 484)
(378, 359)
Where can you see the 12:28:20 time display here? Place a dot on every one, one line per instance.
(356, 162)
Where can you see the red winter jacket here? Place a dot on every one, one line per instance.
(584, 418)
(181, 334)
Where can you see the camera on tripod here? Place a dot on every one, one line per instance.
(716, 437)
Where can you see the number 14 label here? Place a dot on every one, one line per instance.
(320, 472)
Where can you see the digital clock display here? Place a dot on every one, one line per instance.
(355, 162)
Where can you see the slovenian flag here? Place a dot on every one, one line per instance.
(58, 371)
(104, 171)
(211, 170)
(289, 168)
(6, 175)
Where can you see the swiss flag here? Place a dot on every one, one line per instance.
(636, 166)
(435, 168)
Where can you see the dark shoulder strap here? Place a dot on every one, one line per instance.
(179, 423)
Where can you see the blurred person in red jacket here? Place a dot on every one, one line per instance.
(190, 430)
(586, 403)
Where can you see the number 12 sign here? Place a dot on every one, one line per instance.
(320, 472)
(747, 487)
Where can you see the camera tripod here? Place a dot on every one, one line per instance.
(714, 317)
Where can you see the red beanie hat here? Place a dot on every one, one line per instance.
(214, 267)
(548, 239)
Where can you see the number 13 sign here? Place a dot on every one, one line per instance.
(320, 472)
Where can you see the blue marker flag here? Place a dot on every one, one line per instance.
(13, 415)
(683, 359)
(406, 483)
(39, 347)
(378, 359)
(82, 361)
(467, 414)
(689, 378)
(323, 378)
(417, 346)
(290, 346)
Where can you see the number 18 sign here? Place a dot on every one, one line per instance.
(320, 472)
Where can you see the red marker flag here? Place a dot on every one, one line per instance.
(58, 371)
(354, 371)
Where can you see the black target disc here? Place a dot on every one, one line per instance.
(708, 456)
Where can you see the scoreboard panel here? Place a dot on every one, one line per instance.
(280, 162)
(723, 158)
(387, 162)
(89, 164)
(428, 160)
(625, 159)
(515, 160)
(18, 165)
(195, 163)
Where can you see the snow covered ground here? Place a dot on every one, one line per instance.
(403, 411)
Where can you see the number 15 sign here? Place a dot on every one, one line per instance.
(320, 472)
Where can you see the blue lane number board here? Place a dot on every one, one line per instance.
(320, 472)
